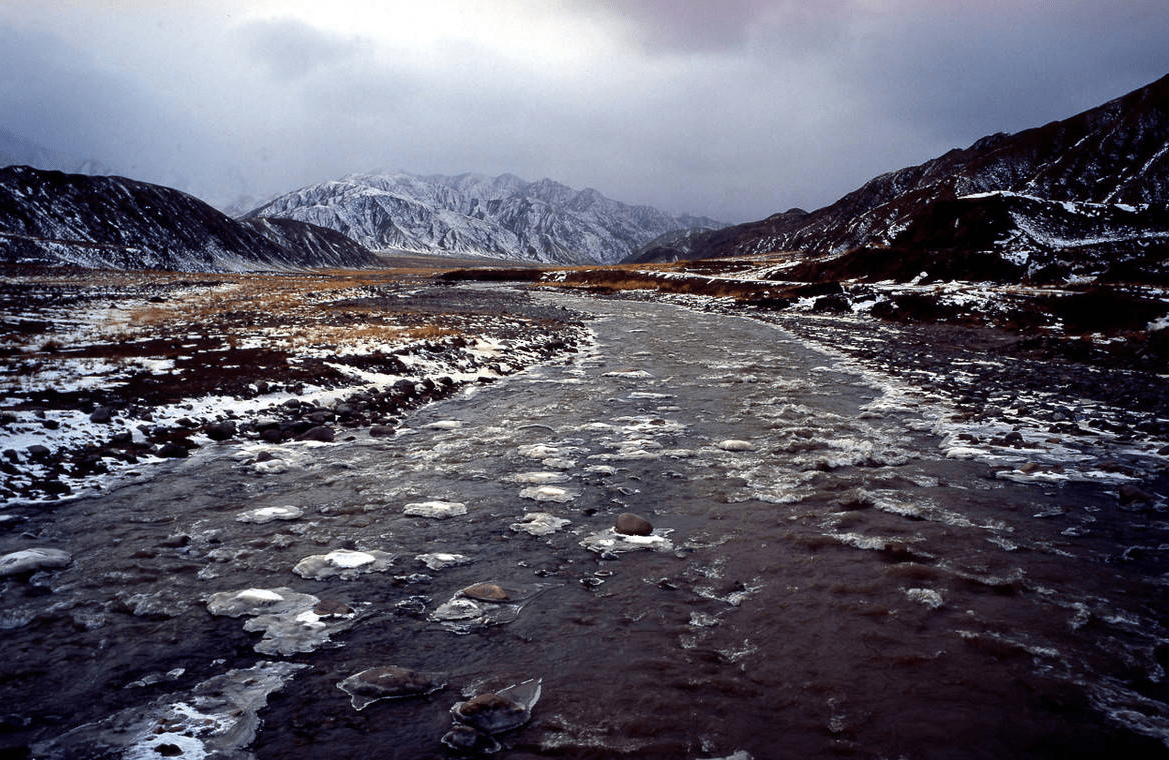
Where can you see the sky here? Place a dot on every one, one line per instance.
(733, 109)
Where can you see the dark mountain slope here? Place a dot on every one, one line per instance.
(1115, 155)
(114, 222)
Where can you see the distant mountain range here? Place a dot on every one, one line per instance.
(1083, 196)
(471, 214)
(113, 222)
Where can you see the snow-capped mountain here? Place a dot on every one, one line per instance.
(1110, 163)
(473, 214)
(118, 223)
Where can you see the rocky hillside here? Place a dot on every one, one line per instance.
(1095, 185)
(113, 222)
(471, 214)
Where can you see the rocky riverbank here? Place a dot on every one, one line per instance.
(106, 372)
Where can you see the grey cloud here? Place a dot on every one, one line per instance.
(290, 49)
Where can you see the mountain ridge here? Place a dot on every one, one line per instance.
(1115, 154)
(476, 214)
(48, 216)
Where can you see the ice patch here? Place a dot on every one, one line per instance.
(291, 622)
(540, 478)
(610, 541)
(926, 596)
(549, 493)
(31, 560)
(268, 514)
(735, 445)
(539, 524)
(439, 510)
(342, 563)
(441, 560)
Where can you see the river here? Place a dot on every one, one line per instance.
(822, 580)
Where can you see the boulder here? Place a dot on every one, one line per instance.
(630, 524)
(321, 433)
(220, 431)
(102, 415)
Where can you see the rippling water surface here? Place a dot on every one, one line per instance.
(822, 581)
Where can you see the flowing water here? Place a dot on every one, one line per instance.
(821, 581)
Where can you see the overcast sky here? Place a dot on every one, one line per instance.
(732, 109)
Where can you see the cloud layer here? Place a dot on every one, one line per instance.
(732, 109)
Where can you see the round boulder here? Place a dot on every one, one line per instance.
(630, 524)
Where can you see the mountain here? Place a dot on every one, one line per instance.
(118, 223)
(1095, 185)
(472, 214)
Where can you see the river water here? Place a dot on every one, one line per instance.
(822, 581)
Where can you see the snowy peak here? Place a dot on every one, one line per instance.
(474, 214)
(118, 223)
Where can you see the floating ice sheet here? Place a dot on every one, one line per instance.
(218, 718)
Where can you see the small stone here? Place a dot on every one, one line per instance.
(381, 431)
(630, 524)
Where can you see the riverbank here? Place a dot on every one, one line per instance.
(106, 372)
